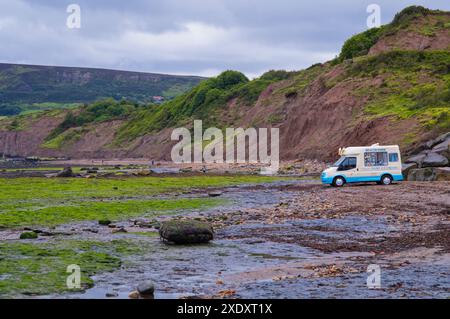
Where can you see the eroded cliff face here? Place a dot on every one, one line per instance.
(312, 125)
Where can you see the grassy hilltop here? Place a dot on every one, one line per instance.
(25, 88)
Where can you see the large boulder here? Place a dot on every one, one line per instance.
(146, 288)
(422, 175)
(186, 232)
(434, 160)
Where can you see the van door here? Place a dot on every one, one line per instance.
(348, 169)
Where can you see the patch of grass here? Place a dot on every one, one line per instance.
(360, 44)
(43, 201)
(276, 118)
(97, 112)
(302, 80)
(80, 188)
(64, 139)
(402, 94)
(92, 210)
(38, 269)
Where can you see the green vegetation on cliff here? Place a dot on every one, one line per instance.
(360, 44)
(415, 84)
(204, 102)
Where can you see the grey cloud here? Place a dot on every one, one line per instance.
(186, 36)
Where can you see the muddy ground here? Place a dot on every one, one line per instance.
(299, 239)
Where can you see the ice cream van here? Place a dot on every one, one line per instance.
(380, 164)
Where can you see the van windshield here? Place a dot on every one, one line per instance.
(339, 162)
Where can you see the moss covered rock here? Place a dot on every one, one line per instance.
(29, 235)
(104, 222)
(186, 232)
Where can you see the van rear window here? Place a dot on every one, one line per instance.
(393, 157)
(375, 159)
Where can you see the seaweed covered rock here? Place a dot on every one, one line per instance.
(186, 232)
(29, 235)
(66, 172)
(429, 174)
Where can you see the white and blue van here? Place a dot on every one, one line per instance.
(381, 164)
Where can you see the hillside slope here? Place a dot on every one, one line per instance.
(33, 87)
(389, 85)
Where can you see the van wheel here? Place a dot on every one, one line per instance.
(338, 181)
(386, 180)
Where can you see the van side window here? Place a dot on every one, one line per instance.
(348, 164)
(393, 157)
(375, 159)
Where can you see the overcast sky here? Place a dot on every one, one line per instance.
(198, 37)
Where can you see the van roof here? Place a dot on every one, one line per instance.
(360, 149)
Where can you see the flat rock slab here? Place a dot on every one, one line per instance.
(417, 159)
(186, 232)
(442, 138)
(434, 160)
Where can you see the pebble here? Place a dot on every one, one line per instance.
(133, 295)
(111, 294)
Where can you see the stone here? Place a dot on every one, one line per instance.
(418, 159)
(442, 173)
(215, 194)
(111, 294)
(434, 160)
(427, 174)
(186, 232)
(66, 172)
(443, 148)
(143, 173)
(104, 222)
(439, 139)
(133, 295)
(29, 235)
(407, 167)
(119, 230)
(146, 288)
